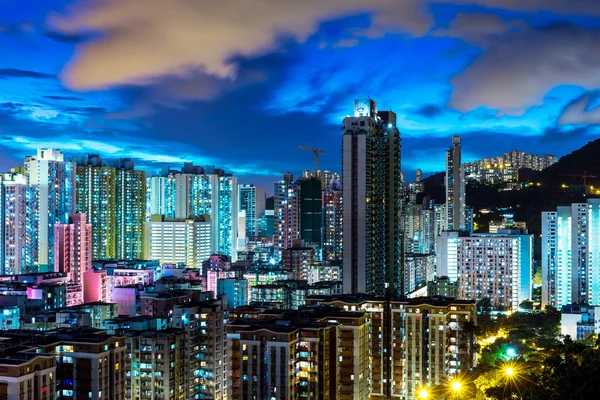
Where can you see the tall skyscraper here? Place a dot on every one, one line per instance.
(251, 200)
(332, 225)
(311, 211)
(287, 214)
(131, 210)
(372, 188)
(571, 255)
(97, 198)
(113, 197)
(54, 179)
(18, 225)
(161, 195)
(455, 187)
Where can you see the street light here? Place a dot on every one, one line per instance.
(456, 386)
(423, 394)
(509, 371)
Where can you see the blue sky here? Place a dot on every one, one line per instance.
(240, 84)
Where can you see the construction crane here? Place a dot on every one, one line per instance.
(585, 176)
(317, 152)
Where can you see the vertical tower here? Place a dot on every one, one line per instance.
(131, 210)
(251, 200)
(372, 235)
(55, 182)
(73, 247)
(311, 211)
(97, 199)
(287, 214)
(455, 187)
(18, 225)
(332, 225)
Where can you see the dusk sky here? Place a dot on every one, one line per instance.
(242, 83)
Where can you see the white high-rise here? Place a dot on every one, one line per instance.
(571, 254)
(496, 266)
(196, 192)
(455, 187)
(18, 209)
(177, 241)
(55, 182)
(251, 200)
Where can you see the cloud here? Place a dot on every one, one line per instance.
(558, 134)
(6, 73)
(429, 111)
(63, 98)
(476, 27)
(581, 111)
(147, 39)
(516, 70)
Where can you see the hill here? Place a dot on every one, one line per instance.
(585, 159)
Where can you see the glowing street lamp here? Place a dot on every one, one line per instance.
(509, 371)
(423, 394)
(456, 386)
(511, 352)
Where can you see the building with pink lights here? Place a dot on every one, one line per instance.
(95, 286)
(73, 253)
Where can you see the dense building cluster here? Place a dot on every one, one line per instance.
(505, 169)
(190, 284)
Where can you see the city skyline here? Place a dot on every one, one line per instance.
(175, 111)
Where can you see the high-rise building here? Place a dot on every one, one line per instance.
(455, 187)
(131, 210)
(54, 180)
(324, 356)
(332, 225)
(90, 365)
(372, 188)
(251, 200)
(161, 195)
(18, 225)
(311, 211)
(297, 259)
(287, 214)
(156, 364)
(178, 241)
(403, 357)
(495, 266)
(571, 254)
(419, 229)
(200, 192)
(205, 347)
(97, 198)
(73, 253)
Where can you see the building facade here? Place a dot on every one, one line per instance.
(372, 188)
(286, 214)
(571, 254)
(54, 180)
(73, 252)
(252, 201)
(178, 241)
(455, 187)
(495, 266)
(332, 242)
(413, 342)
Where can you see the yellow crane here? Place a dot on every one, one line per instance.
(316, 152)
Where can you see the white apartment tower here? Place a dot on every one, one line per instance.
(496, 266)
(571, 255)
(55, 180)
